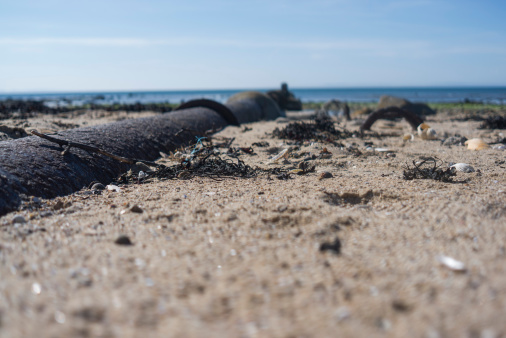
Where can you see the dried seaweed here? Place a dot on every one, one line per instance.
(428, 168)
(494, 122)
(204, 160)
(319, 129)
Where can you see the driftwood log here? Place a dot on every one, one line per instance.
(34, 166)
(390, 113)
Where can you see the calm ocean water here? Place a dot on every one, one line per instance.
(495, 95)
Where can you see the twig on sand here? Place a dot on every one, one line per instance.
(66, 145)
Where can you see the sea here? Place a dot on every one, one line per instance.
(489, 95)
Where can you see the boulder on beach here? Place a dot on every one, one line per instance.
(285, 99)
(419, 109)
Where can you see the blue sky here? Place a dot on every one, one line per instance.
(65, 46)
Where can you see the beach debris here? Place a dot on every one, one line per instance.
(334, 246)
(408, 137)
(321, 128)
(451, 263)
(454, 141)
(428, 168)
(137, 167)
(18, 219)
(325, 154)
(391, 113)
(463, 167)
(97, 186)
(112, 187)
(261, 144)
(426, 132)
(335, 108)
(123, 240)
(476, 144)
(142, 175)
(383, 150)
(324, 174)
(282, 155)
(494, 122)
(499, 147)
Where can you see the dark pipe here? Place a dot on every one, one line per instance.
(34, 166)
(253, 106)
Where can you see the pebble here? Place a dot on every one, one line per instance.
(324, 174)
(98, 186)
(454, 141)
(18, 219)
(136, 209)
(123, 240)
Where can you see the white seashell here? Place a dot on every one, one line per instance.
(431, 134)
(452, 263)
(499, 147)
(383, 150)
(282, 154)
(112, 187)
(464, 167)
(476, 144)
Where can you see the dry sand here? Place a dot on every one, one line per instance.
(242, 258)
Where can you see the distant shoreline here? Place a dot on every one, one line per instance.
(488, 95)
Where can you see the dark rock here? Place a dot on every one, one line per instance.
(136, 209)
(419, 109)
(285, 99)
(123, 240)
(455, 141)
(334, 246)
(97, 186)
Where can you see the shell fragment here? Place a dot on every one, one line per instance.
(463, 167)
(282, 154)
(451, 263)
(476, 144)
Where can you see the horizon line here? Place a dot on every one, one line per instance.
(99, 91)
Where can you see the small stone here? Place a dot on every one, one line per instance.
(98, 186)
(454, 141)
(136, 209)
(334, 246)
(324, 174)
(18, 219)
(139, 166)
(123, 240)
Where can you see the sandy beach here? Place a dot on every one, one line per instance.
(361, 253)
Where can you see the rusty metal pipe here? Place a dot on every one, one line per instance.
(36, 167)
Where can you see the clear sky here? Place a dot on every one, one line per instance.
(97, 45)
